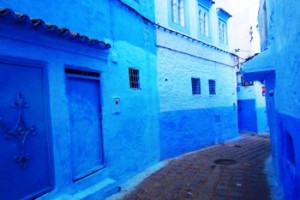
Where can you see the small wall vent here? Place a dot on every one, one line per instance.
(81, 72)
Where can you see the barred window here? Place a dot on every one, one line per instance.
(212, 87)
(134, 78)
(196, 86)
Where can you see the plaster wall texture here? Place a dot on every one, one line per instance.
(189, 122)
(130, 137)
(254, 93)
(163, 18)
(174, 79)
(280, 39)
(287, 69)
(287, 96)
(135, 129)
(245, 36)
(246, 92)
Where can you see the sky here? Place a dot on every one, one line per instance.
(244, 15)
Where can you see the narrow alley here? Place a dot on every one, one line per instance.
(234, 170)
(149, 100)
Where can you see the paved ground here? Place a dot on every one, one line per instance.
(198, 176)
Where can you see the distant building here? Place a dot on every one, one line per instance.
(79, 99)
(196, 76)
(278, 65)
(245, 43)
(252, 115)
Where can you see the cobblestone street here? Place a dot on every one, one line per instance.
(233, 170)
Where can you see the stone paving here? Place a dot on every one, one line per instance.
(199, 176)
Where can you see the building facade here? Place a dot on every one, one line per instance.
(196, 76)
(79, 99)
(252, 115)
(278, 65)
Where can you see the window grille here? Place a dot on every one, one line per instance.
(196, 86)
(81, 72)
(212, 87)
(134, 78)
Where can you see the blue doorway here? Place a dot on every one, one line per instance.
(83, 90)
(247, 115)
(26, 163)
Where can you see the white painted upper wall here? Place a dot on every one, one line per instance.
(162, 13)
(244, 15)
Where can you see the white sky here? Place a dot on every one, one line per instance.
(234, 6)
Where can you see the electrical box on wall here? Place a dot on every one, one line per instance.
(116, 105)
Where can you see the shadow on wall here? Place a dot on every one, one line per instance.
(289, 155)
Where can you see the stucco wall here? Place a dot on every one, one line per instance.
(130, 137)
(257, 112)
(163, 17)
(189, 122)
(282, 81)
(287, 94)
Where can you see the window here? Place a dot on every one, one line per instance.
(178, 12)
(212, 87)
(222, 32)
(134, 78)
(204, 17)
(196, 86)
(222, 26)
(203, 22)
(245, 83)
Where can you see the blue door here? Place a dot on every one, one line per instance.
(25, 164)
(247, 115)
(83, 90)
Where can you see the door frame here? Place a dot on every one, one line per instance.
(43, 65)
(89, 77)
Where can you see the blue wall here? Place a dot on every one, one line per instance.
(289, 154)
(279, 66)
(189, 130)
(262, 121)
(130, 137)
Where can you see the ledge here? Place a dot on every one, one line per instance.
(259, 67)
(9, 16)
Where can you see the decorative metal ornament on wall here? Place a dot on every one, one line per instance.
(21, 131)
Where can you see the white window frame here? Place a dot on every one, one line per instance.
(204, 21)
(178, 12)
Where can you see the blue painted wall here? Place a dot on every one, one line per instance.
(131, 136)
(279, 66)
(289, 154)
(189, 130)
(252, 109)
(190, 121)
(262, 121)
